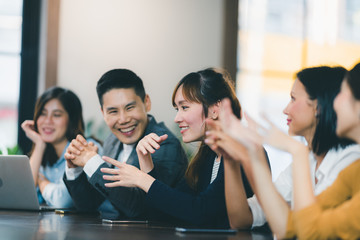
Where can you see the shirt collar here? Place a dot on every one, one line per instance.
(328, 162)
(128, 147)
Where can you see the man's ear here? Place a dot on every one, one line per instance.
(147, 103)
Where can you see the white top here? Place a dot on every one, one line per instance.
(215, 170)
(327, 172)
(125, 153)
(94, 163)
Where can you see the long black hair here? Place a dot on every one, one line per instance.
(353, 79)
(323, 84)
(72, 106)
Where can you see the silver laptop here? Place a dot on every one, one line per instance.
(17, 188)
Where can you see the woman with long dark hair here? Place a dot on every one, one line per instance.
(57, 120)
(333, 214)
(310, 114)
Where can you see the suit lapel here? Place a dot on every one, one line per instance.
(114, 153)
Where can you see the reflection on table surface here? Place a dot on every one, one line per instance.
(25, 225)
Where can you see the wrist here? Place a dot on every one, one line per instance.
(145, 162)
(41, 145)
(144, 181)
(230, 162)
(298, 148)
(86, 158)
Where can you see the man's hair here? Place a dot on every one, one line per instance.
(119, 78)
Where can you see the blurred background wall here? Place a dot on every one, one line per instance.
(160, 40)
(262, 43)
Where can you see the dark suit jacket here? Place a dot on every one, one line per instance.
(170, 162)
(183, 206)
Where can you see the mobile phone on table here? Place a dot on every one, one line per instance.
(112, 221)
(205, 230)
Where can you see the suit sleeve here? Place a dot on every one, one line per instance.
(170, 162)
(85, 197)
(205, 209)
(129, 201)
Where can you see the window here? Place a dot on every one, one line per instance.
(10, 48)
(277, 38)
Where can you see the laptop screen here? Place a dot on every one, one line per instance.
(17, 188)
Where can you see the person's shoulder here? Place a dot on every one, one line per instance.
(109, 143)
(351, 172)
(350, 149)
(111, 139)
(355, 166)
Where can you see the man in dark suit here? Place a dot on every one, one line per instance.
(125, 107)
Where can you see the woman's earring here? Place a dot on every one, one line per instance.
(213, 116)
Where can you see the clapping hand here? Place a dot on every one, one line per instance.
(79, 152)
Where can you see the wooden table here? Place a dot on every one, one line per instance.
(23, 225)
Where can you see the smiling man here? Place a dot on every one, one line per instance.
(125, 106)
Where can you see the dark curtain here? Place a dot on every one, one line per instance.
(29, 67)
